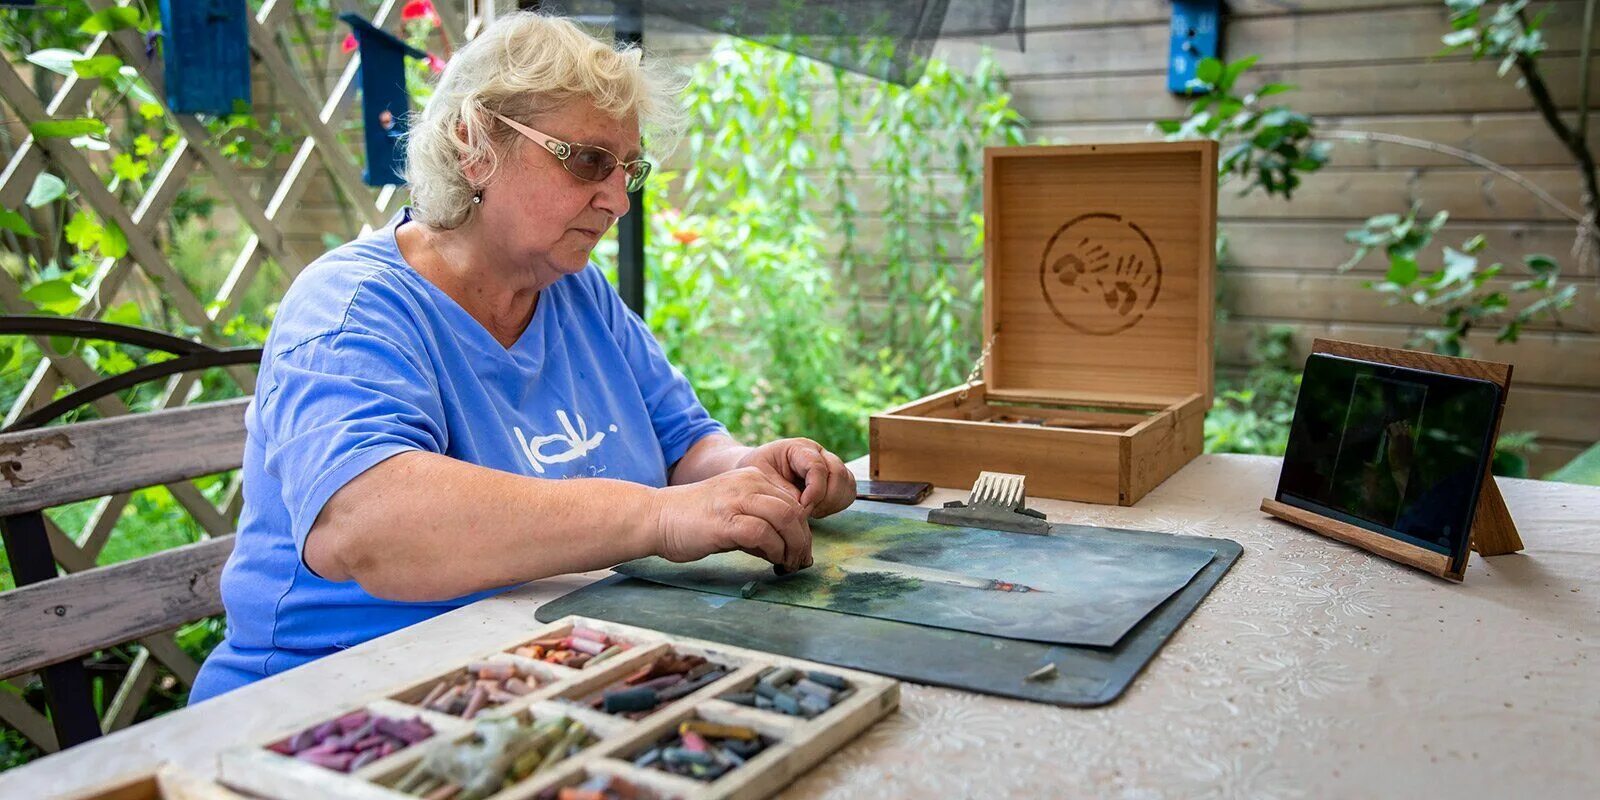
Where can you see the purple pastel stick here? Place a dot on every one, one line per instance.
(348, 741)
(353, 720)
(364, 758)
(326, 729)
(302, 741)
(369, 743)
(388, 726)
(414, 730)
(339, 762)
(325, 748)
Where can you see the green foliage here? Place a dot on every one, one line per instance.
(67, 128)
(859, 592)
(15, 749)
(1584, 469)
(1253, 414)
(16, 223)
(759, 287)
(1511, 451)
(1505, 32)
(1460, 290)
(1265, 147)
(116, 18)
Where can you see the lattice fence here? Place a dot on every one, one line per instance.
(193, 160)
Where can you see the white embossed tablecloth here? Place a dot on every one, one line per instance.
(1312, 670)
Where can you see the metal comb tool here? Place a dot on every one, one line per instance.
(997, 502)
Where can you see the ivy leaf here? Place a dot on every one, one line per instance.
(1458, 266)
(16, 223)
(143, 145)
(1231, 73)
(55, 59)
(55, 296)
(128, 169)
(46, 189)
(97, 66)
(112, 19)
(113, 244)
(1402, 271)
(82, 231)
(123, 314)
(131, 84)
(150, 111)
(67, 128)
(1541, 264)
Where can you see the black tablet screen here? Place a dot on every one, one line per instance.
(1393, 450)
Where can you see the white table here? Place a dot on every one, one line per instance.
(1312, 670)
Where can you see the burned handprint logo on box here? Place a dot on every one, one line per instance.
(1100, 273)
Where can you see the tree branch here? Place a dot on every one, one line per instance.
(1467, 156)
(1546, 105)
(1586, 51)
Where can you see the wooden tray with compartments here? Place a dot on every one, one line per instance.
(166, 782)
(793, 744)
(1097, 314)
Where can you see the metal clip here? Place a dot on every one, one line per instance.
(997, 502)
(977, 369)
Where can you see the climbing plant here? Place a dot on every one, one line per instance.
(763, 286)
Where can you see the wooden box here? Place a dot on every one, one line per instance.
(797, 743)
(1097, 327)
(166, 782)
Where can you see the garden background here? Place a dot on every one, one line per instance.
(814, 243)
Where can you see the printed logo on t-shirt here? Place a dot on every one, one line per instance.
(558, 448)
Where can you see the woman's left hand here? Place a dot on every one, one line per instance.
(827, 486)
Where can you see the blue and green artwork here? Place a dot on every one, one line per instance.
(1058, 588)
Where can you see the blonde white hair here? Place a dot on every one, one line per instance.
(524, 65)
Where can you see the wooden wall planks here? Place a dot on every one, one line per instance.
(1093, 71)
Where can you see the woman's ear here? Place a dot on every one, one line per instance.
(474, 167)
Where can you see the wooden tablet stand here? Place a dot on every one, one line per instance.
(1493, 533)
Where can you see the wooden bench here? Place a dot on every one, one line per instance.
(52, 621)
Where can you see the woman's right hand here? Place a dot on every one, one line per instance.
(744, 509)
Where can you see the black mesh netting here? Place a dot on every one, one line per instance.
(890, 40)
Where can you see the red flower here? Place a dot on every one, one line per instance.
(349, 45)
(435, 63)
(419, 9)
(686, 237)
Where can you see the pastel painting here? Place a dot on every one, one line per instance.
(1058, 589)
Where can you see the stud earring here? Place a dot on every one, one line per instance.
(477, 198)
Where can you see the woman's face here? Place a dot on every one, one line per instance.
(547, 218)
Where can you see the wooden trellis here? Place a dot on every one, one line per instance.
(316, 119)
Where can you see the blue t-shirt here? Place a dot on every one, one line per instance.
(367, 359)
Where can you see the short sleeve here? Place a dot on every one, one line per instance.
(335, 407)
(676, 414)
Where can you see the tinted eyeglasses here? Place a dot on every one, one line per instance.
(586, 161)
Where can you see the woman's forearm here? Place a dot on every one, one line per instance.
(712, 455)
(422, 526)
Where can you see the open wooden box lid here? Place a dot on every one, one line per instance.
(1097, 267)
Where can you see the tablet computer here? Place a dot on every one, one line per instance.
(1398, 451)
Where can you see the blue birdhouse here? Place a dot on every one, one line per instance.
(206, 55)
(1196, 35)
(385, 103)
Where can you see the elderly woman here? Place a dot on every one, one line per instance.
(459, 402)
